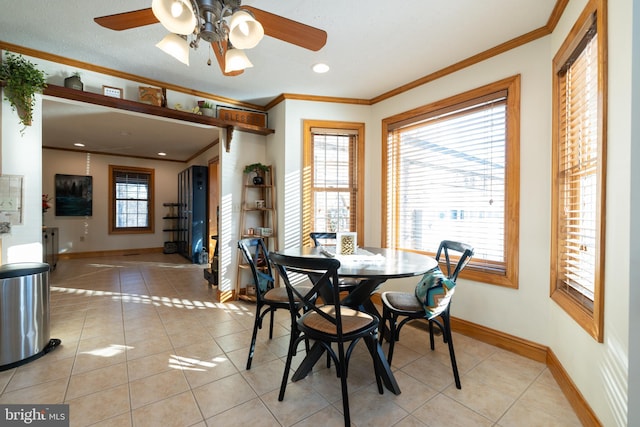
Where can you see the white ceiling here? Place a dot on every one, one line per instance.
(373, 46)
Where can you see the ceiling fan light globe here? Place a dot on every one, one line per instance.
(177, 8)
(183, 24)
(176, 46)
(235, 60)
(244, 31)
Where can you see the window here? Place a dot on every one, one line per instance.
(332, 182)
(452, 174)
(577, 253)
(131, 200)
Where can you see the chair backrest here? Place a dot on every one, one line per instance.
(323, 238)
(436, 288)
(465, 252)
(323, 275)
(256, 256)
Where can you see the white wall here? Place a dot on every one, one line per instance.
(91, 233)
(21, 155)
(634, 247)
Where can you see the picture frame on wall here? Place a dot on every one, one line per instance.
(74, 195)
(114, 92)
(150, 95)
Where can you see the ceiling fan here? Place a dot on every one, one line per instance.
(228, 26)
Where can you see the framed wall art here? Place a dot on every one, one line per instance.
(74, 195)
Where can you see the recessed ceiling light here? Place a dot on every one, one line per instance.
(162, 154)
(79, 144)
(320, 68)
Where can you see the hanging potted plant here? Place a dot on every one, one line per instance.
(21, 80)
(259, 169)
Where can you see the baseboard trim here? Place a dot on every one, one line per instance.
(530, 350)
(117, 252)
(536, 352)
(582, 409)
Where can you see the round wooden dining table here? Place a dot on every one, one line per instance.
(372, 267)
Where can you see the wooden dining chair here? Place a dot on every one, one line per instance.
(431, 301)
(324, 323)
(268, 297)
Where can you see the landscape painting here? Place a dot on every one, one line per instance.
(74, 194)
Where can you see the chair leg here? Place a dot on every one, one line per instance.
(393, 336)
(273, 310)
(447, 331)
(383, 332)
(372, 344)
(287, 366)
(431, 340)
(343, 382)
(256, 325)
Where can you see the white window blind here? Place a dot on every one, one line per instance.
(131, 199)
(446, 179)
(578, 172)
(334, 184)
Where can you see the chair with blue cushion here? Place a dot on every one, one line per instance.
(268, 297)
(430, 301)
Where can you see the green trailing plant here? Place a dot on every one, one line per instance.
(22, 80)
(207, 105)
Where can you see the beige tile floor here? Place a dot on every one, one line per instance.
(145, 343)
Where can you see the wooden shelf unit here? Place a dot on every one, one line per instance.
(256, 218)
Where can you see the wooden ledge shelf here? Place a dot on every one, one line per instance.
(139, 107)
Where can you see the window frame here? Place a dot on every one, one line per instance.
(481, 272)
(591, 319)
(356, 128)
(150, 229)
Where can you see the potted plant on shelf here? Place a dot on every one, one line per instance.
(22, 80)
(207, 109)
(74, 81)
(259, 169)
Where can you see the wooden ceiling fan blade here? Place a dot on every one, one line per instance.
(127, 20)
(220, 57)
(289, 31)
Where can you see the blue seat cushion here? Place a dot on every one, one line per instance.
(434, 291)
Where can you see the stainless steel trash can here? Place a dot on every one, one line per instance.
(24, 313)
